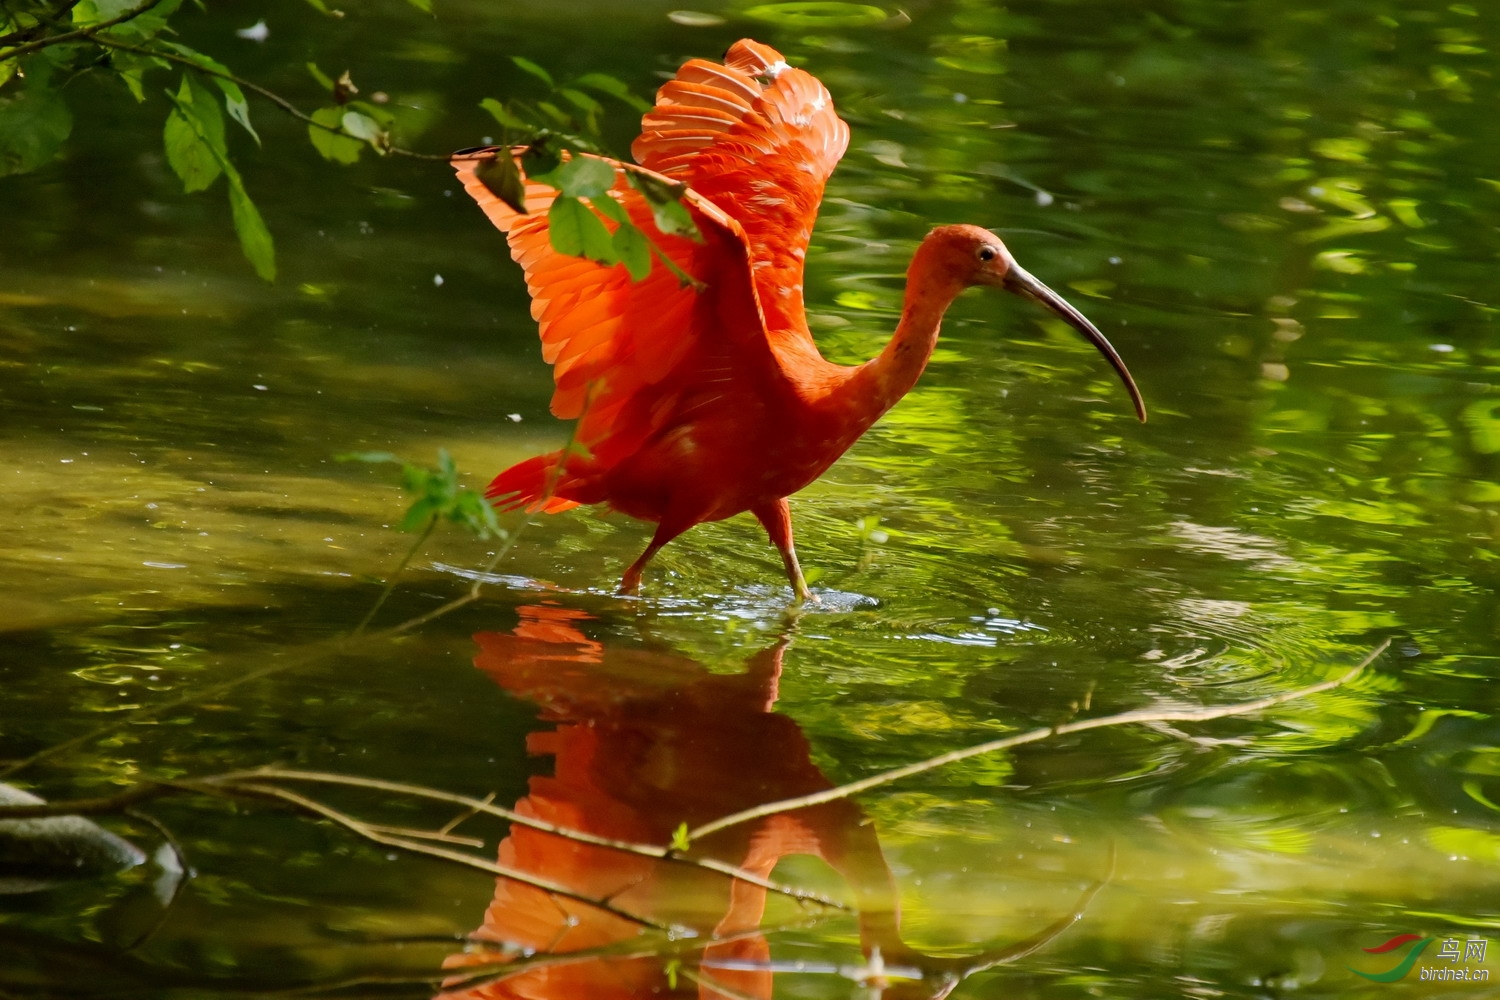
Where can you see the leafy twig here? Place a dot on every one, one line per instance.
(82, 33)
(23, 34)
(267, 93)
(390, 583)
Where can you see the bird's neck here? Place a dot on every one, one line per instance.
(879, 383)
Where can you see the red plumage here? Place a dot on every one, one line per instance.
(697, 402)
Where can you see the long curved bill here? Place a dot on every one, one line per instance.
(1018, 280)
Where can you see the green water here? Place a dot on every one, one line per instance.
(1285, 219)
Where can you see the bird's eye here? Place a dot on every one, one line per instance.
(987, 253)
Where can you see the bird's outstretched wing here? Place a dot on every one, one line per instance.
(759, 139)
(755, 141)
(605, 336)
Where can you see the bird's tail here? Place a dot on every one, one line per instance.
(531, 484)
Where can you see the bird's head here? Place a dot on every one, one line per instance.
(969, 255)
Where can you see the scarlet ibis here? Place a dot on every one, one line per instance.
(698, 400)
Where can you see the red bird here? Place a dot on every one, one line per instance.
(697, 401)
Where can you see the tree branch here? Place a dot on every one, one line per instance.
(268, 94)
(1034, 736)
(372, 834)
(480, 806)
(24, 34)
(89, 807)
(81, 33)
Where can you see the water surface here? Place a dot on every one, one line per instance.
(1285, 220)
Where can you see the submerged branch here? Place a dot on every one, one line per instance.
(1140, 715)
(415, 847)
(258, 784)
(480, 806)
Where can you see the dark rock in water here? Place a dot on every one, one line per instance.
(41, 853)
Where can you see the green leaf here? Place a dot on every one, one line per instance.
(585, 177)
(475, 513)
(255, 238)
(90, 12)
(236, 105)
(234, 97)
(577, 231)
(503, 178)
(144, 25)
(580, 100)
(633, 249)
(189, 156)
(331, 145)
(194, 137)
(197, 109)
(610, 209)
(681, 843)
(418, 514)
(668, 211)
(362, 127)
(557, 114)
(425, 6)
(33, 126)
(502, 114)
(540, 159)
(382, 118)
(131, 69)
(533, 69)
(324, 80)
(673, 219)
(439, 496)
(606, 84)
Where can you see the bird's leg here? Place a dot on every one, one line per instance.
(777, 518)
(630, 583)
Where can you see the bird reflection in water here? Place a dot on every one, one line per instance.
(646, 740)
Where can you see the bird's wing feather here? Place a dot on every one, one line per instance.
(609, 338)
(759, 139)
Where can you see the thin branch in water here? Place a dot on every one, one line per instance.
(476, 976)
(348, 822)
(466, 815)
(103, 805)
(390, 583)
(184, 872)
(436, 836)
(486, 807)
(1142, 715)
(709, 986)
